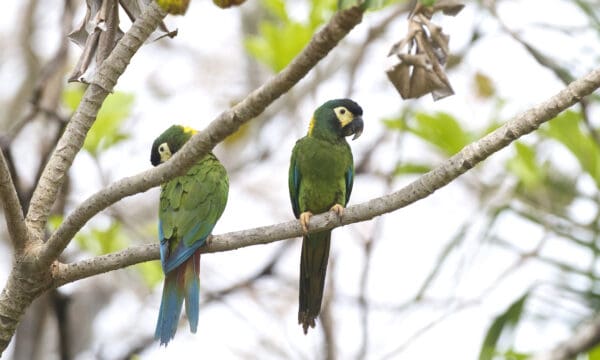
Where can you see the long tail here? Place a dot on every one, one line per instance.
(181, 283)
(313, 267)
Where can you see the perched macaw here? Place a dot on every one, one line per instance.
(320, 179)
(190, 206)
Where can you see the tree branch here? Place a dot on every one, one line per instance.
(435, 179)
(12, 208)
(224, 125)
(31, 275)
(85, 115)
(584, 339)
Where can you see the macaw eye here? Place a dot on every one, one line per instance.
(343, 111)
(161, 148)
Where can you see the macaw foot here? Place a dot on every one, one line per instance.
(338, 209)
(304, 219)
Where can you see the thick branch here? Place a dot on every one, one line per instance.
(224, 125)
(75, 132)
(449, 170)
(12, 208)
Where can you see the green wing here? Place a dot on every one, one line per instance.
(349, 182)
(190, 206)
(294, 178)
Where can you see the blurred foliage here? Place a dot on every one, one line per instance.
(224, 4)
(54, 222)
(281, 37)
(175, 7)
(594, 354)
(411, 168)
(484, 86)
(503, 325)
(566, 129)
(151, 272)
(441, 130)
(100, 241)
(107, 132)
(540, 184)
(107, 129)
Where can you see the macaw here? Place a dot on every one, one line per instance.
(190, 206)
(321, 175)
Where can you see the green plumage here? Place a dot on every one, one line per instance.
(190, 206)
(321, 176)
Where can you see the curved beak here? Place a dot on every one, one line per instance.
(154, 156)
(354, 128)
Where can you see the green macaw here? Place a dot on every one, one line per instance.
(190, 206)
(320, 179)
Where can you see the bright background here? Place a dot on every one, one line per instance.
(424, 282)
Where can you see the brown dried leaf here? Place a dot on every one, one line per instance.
(421, 67)
(99, 32)
(448, 7)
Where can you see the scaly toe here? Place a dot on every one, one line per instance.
(304, 219)
(338, 209)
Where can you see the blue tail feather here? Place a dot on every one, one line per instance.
(181, 283)
(192, 295)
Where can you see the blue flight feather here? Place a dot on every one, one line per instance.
(349, 183)
(296, 183)
(192, 296)
(170, 308)
(182, 252)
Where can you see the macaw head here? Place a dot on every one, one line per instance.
(337, 119)
(169, 142)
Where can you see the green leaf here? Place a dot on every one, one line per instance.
(106, 130)
(103, 241)
(411, 169)
(566, 129)
(502, 324)
(525, 166)
(396, 123)
(594, 353)
(484, 86)
(54, 222)
(514, 355)
(151, 272)
(281, 38)
(72, 96)
(441, 130)
(276, 8)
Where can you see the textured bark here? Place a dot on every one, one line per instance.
(36, 269)
(32, 273)
(74, 135)
(224, 125)
(12, 208)
(425, 185)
